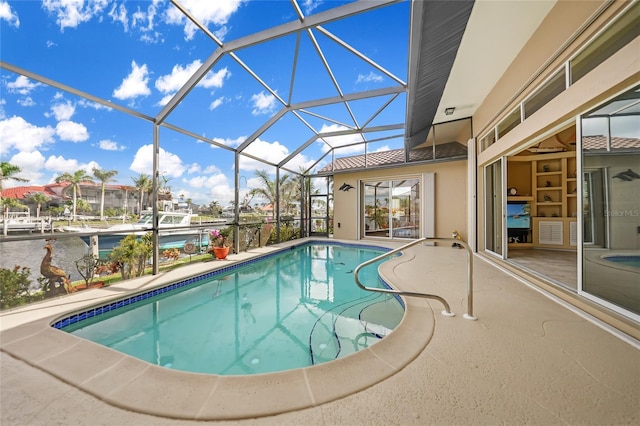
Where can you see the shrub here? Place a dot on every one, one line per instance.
(172, 254)
(14, 287)
(132, 255)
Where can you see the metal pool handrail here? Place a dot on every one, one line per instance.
(447, 311)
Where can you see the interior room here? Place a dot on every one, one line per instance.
(541, 208)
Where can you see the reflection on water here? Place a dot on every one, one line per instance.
(66, 251)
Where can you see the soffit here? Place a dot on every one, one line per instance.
(494, 35)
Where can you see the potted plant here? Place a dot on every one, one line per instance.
(219, 247)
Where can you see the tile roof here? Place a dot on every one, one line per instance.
(24, 192)
(599, 143)
(52, 190)
(396, 156)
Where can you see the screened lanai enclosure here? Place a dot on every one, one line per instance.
(242, 108)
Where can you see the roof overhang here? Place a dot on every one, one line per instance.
(437, 28)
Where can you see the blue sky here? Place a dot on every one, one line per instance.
(138, 54)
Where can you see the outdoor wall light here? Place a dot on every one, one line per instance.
(449, 111)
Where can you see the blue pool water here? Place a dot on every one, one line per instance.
(633, 261)
(295, 309)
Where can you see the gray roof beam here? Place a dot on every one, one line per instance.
(262, 129)
(197, 23)
(349, 97)
(73, 91)
(308, 22)
(361, 56)
(189, 85)
(375, 114)
(298, 150)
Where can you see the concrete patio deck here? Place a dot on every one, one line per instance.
(528, 359)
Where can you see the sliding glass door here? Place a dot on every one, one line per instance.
(610, 142)
(391, 208)
(493, 208)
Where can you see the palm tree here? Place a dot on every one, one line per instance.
(144, 184)
(103, 176)
(268, 190)
(9, 171)
(83, 206)
(75, 179)
(7, 203)
(39, 199)
(126, 198)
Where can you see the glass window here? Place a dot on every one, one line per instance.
(392, 209)
(549, 90)
(488, 140)
(493, 207)
(623, 31)
(611, 204)
(376, 209)
(509, 123)
(405, 208)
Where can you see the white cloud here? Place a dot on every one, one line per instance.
(31, 164)
(232, 143)
(170, 164)
(216, 103)
(369, 78)
(299, 161)
(272, 152)
(194, 168)
(216, 79)
(263, 103)
(171, 83)
(71, 13)
(165, 99)
(16, 133)
(118, 13)
(145, 22)
(60, 165)
(26, 102)
(383, 148)
(22, 85)
(135, 84)
(51, 43)
(72, 131)
(310, 5)
(337, 141)
(8, 15)
(218, 187)
(63, 111)
(109, 145)
(207, 12)
(89, 104)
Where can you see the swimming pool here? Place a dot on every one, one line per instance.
(138, 386)
(626, 260)
(294, 309)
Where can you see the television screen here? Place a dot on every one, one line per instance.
(518, 216)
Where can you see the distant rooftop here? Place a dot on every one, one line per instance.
(450, 150)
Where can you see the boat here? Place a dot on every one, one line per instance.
(21, 222)
(109, 238)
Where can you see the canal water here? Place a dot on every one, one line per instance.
(66, 251)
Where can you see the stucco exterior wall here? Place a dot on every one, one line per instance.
(561, 24)
(450, 197)
(613, 76)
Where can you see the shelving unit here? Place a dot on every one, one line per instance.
(549, 183)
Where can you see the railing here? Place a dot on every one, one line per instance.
(447, 311)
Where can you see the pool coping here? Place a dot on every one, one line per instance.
(135, 385)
